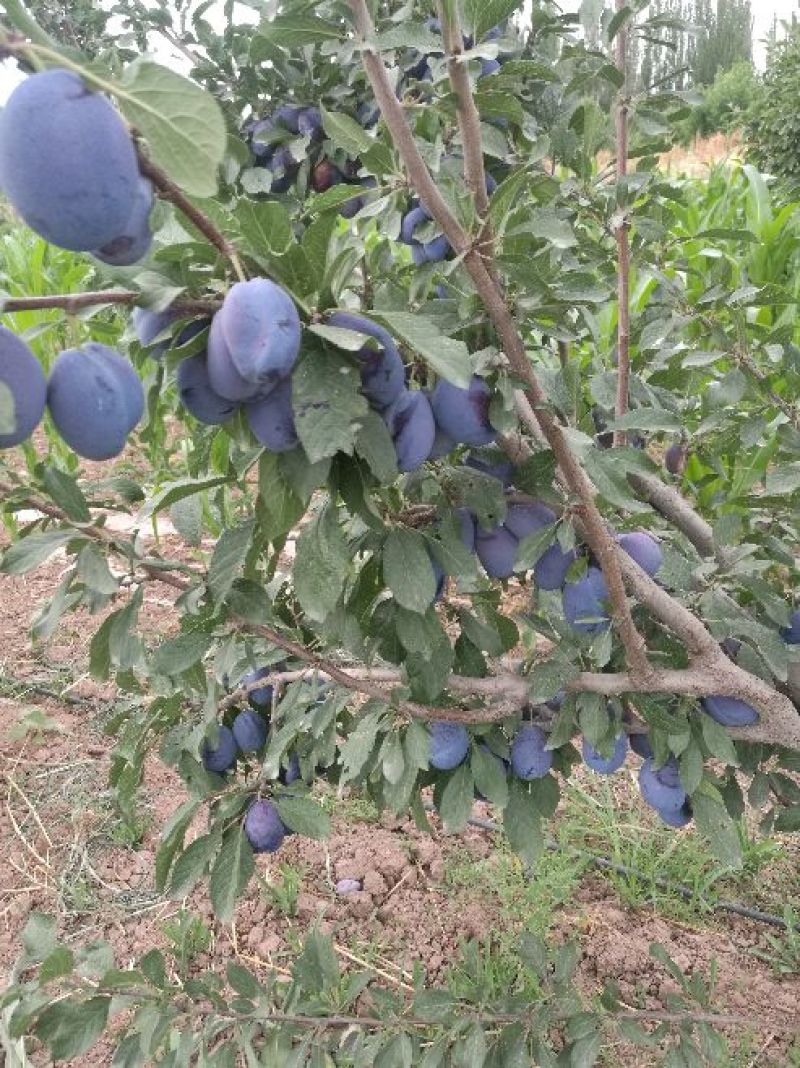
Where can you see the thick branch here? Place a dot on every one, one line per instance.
(72, 303)
(623, 246)
(510, 338)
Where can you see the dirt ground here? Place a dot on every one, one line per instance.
(65, 854)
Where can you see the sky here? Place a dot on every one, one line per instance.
(763, 14)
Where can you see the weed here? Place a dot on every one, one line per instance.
(283, 891)
(783, 952)
(188, 937)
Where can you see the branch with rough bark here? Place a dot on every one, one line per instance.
(621, 235)
(72, 303)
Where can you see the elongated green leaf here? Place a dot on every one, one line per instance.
(321, 565)
(346, 132)
(408, 571)
(328, 405)
(228, 558)
(68, 1028)
(231, 872)
(458, 795)
(293, 31)
(303, 815)
(522, 822)
(27, 553)
(482, 15)
(178, 654)
(66, 493)
(182, 123)
(192, 863)
(718, 828)
(447, 356)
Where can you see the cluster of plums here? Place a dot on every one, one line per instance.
(247, 734)
(69, 167)
(271, 139)
(93, 394)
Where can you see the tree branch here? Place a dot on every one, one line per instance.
(72, 303)
(621, 234)
(510, 338)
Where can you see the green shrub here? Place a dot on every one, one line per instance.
(772, 131)
(726, 103)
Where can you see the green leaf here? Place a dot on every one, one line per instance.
(407, 569)
(458, 796)
(279, 505)
(59, 963)
(265, 227)
(647, 419)
(186, 516)
(93, 570)
(172, 836)
(715, 823)
(329, 408)
(718, 741)
(691, 767)
(321, 566)
(66, 493)
(482, 15)
(176, 655)
(182, 123)
(70, 1027)
(345, 132)
(448, 357)
(192, 864)
(490, 775)
(788, 820)
(243, 981)
(39, 936)
(176, 491)
(359, 743)
(293, 31)
(228, 558)
(231, 872)
(32, 550)
(522, 822)
(374, 444)
(303, 815)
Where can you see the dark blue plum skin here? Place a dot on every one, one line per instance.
(259, 329)
(196, 393)
(675, 459)
(133, 243)
(640, 744)
(489, 67)
(449, 745)
(309, 122)
(676, 817)
(95, 399)
(791, 634)
(523, 519)
(497, 551)
(250, 731)
(272, 419)
(263, 827)
(469, 528)
(67, 162)
(410, 423)
(222, 756)
(291, 773)
(442, 446)
(584, 602)
(661, 787)
(225, 380)
(288, 115)
(383, 375)
(22, 374)
(644, 549)
(550, 570)
(463, 414)
(261, 697)
(529, 758)
(284, 169)
(729, 711)
(440, 577)
(606, 765)
(148, 324)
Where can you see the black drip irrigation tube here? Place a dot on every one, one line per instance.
(604, 864)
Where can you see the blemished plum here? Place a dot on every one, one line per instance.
(133, 243)
(551, 568)
(606, 765)
(529, 758)
(644, 549)
(22, 375)
(250, 730)
(263, 827)
(221, 756)
(197, 396)
(272, 419)
(95, 399)
(730, 711)
(383, 376)
(258, 330)
(463, 414)
(584, 602)
(411, 425)
(497, 551)
(675, 459)
(661, 787)
(791, 634)
(260, 697)
(67, 162)
(640, 744)
(676, 817)
(449, 745)
(523, 519)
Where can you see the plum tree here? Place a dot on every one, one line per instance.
(729, 711)
(410, 422)
(67, 162)
(221, 755)
(254, 340)
(95, 399)
(463, 414)
(250, 730)
(264, 827)
(22, 376)
(449, 745)
(197, 396)
(606, 765)
(644, 549)
(530, 759)
(133, 242)
(383, 375)
(584, 602)
(497, 551)
(272, 419)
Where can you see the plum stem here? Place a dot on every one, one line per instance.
(621, 234)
